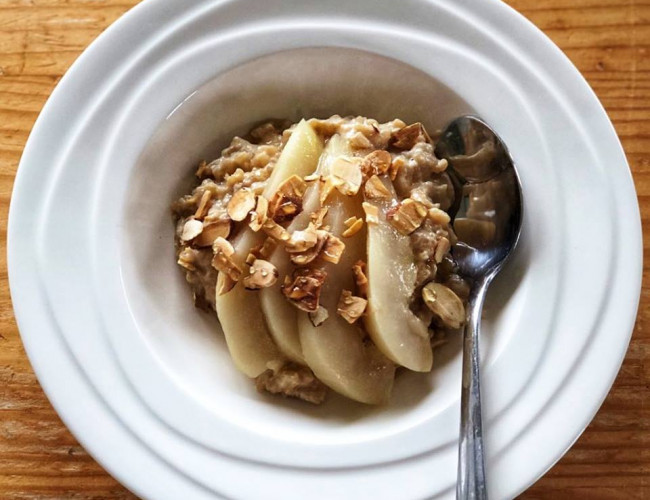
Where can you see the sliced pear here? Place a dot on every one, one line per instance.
(239, 310)
(396, 331)
(281, 316)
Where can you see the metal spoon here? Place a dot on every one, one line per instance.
(487, 220)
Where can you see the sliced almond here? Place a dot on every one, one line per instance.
(444, 304)
(318, 318)
(241, 203)
(276, 231)
(222, 260)
(261, 274)
(442, 247)
(351, 308)
(259, 216)
(395, 167)
(353, 228)
(186, 259)
(302, 240)
(372, 213)
(191, 229)
(286, 203)
(307, 256)
(375, 189)
(225, 285)
(303, 288)
(333, 249)
(203, 207)
(326, 186)
(318, 217)
(407, 216)
(376, 163)
(409, 136)
(262, 251)
(348, 174)
(360, 278)
(219, 228)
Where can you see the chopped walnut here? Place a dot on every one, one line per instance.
(351, 308)
(375, 189)
(372, 213)
(294, 381)
(347, 176)
(408, 136)
(259, 216)
(319, 317)
(360, 278)
(376, 163)
(354, 225)
(333, 249)
(222, 260)
(219, 228)
(304, 287)
(286, 203)
(407, 216)
(241, 203)
(261, 274)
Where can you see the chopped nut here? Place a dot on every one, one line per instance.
(203, 207)
(225, 285)
(261, 251)
(286, 203)
(333, 249)
(309, 255)
(395, 167)
(211, 231)
(444, 304)
(302, 240)
(372, 213)
(375, 189)
(351, 308)
(242, 202)
(360, 278)
(359, 141)
(304, 287)
(318, 318)
(222, 260)
(318, 217)
(438, 216)
(262, 274)
(348, 175)
(186, 259)
(376, 163)
(276, 231)
(326, 186)
(442, 247)
(407, 216)
(191, 229)
(354, 226)
(410, 135)
(259, 216)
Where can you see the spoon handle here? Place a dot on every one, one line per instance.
(471, 466)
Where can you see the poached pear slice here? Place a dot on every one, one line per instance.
(239, 311)
(394, 328)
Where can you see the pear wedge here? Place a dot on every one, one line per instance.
(397, 332)
(239, 311)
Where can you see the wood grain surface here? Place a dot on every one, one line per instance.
(608, 40)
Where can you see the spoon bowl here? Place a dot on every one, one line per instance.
(487, 219)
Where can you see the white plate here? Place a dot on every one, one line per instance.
(145, 382)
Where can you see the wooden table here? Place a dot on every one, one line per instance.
(608, 40)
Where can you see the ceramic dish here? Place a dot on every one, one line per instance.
(144, 381)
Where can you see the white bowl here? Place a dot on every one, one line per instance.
(145, 381)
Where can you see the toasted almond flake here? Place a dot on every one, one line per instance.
(226, 285)
(375, 189)
(211, 231)
(395, 167)
(259, 216)
(372, 213)
(333, 249)
(203, 207)
(444, 304)
(442, 247)
(438, 216)
(407, 216)
(360, 278)
(350, 307)
(186, 259)
(275, 231)
(359, 141)
(350, 221)
(318, 217)
(409, 136)
(326, 186)
(261, 274)
(376, 163)
(319, 317)
(222, 260)
(302, 240)
(309, 255)
(353, 229)
(348, 174)
(191, 229)
(286, 203)
(241, 203)
(303, 288)
(261, 251)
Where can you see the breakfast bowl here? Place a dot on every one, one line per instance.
(144, 380)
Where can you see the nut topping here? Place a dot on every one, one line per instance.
(351, 308)
(333, 249)
(191, 229)
(262, 274)
(286, 203)
(354, 225)
(438, 216)
(372, 213)
(376, 163)
(444, 304)
(219, 228)
(375, 189)
(347, 176)
(304, 287)
(360, 278)
(318, 318)
(242, 202)
(259, 216)
(407, 216)
(222, 260)
(409, 136)
(203, 207)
